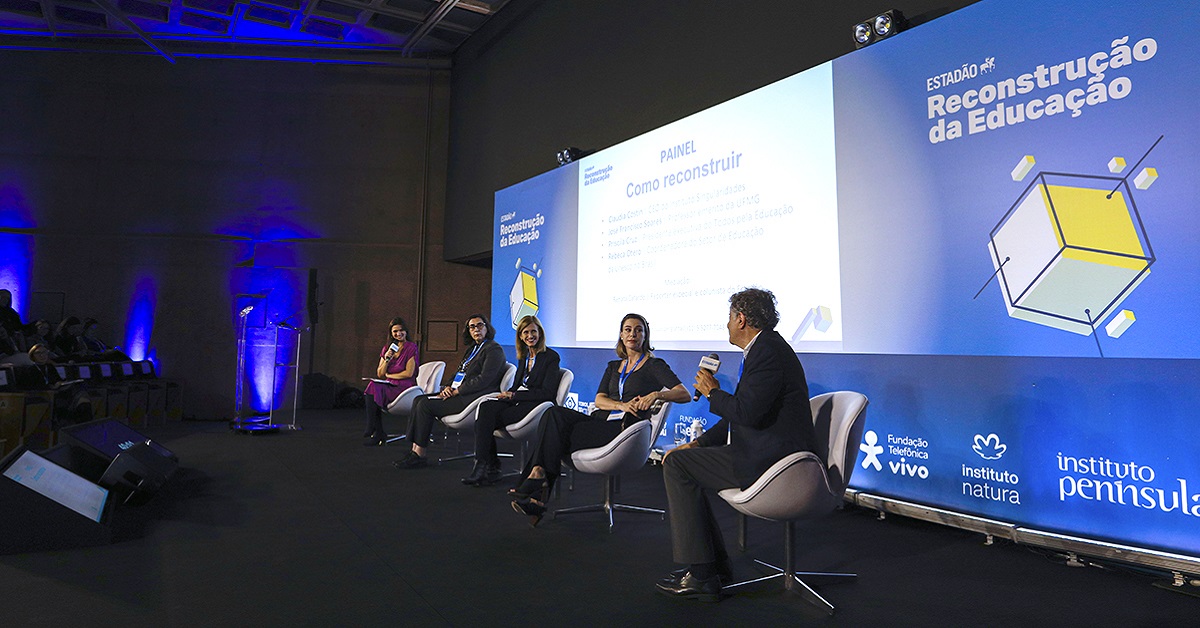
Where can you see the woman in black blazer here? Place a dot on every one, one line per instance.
(480, 373)
(536, 382)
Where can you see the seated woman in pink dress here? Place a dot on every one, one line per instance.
(398, 363)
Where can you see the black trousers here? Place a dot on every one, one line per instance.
(695, 534)
(426, 410)
(493, 415)
(563, 431)
(374, 417)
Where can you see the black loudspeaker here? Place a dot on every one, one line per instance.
(317, 391)
(44, 506)
(138, 472)
(135, 466)
(313, 310)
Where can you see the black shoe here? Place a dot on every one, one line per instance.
(374, 440)
(690, 587)
(530, 508)
(491, 475)
(724, 573)
(476, 476)
(368, 433)
(528, 488)
(412, 461)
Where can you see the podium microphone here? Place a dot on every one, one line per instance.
(710, 363)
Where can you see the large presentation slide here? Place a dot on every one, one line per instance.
(674, 221)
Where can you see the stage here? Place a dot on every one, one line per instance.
(311, 528)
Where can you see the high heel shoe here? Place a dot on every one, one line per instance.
(528, 488)
(375, 441)
(530, 508)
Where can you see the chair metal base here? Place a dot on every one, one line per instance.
(469, 456)
(608, 506)
(793, 581)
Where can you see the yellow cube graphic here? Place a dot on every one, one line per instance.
(523, 300)
(1070, 250)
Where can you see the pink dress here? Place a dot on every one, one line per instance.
(386, 393)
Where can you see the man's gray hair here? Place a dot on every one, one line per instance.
(758, 306)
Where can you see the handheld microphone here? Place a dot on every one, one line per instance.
(710, 363)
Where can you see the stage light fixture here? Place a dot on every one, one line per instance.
(879, 27)
(883, 25)
(862, 34)
(568, 154)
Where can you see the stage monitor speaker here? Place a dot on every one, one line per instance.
(136, 465)
(44, 506)
(138, 472)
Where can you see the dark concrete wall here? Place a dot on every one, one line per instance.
(129, 167)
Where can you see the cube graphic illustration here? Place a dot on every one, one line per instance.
(1070, 250)
(523, 299)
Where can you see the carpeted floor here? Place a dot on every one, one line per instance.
(309, 528)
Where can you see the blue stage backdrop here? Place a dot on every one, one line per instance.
(985, 224)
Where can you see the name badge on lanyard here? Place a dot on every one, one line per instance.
(624, 375)
(528, 369)
(462, 372)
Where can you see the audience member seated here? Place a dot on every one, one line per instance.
(67, 340)
(71, 404)
(480, 373)
(536, 382)
(398, 362)
(39, 332)
(8, 346)
(628, 391)
(93, 348)
(10, 320)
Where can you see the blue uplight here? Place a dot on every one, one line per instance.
(16, 248)
(140, 322)
(269, 277)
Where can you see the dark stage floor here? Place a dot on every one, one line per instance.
(310, 528)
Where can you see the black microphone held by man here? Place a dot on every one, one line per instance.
(710, 363)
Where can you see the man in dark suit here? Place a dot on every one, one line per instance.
(765, 419)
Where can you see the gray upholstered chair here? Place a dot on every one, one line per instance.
(526, 428)
(429, 381)
(629, 451)
(465, 421)
(805, 485)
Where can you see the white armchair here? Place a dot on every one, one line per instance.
(629, 451)
(526, 428)
(805, 485)
(465, 420)
(429, 381)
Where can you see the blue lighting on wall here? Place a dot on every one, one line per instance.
(139, 324)
(16, 248)
(268, 276)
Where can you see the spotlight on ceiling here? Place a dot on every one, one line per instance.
(568, 154)
(879, 27)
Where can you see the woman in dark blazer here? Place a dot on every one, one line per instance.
(480, 373)
(536, 382)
